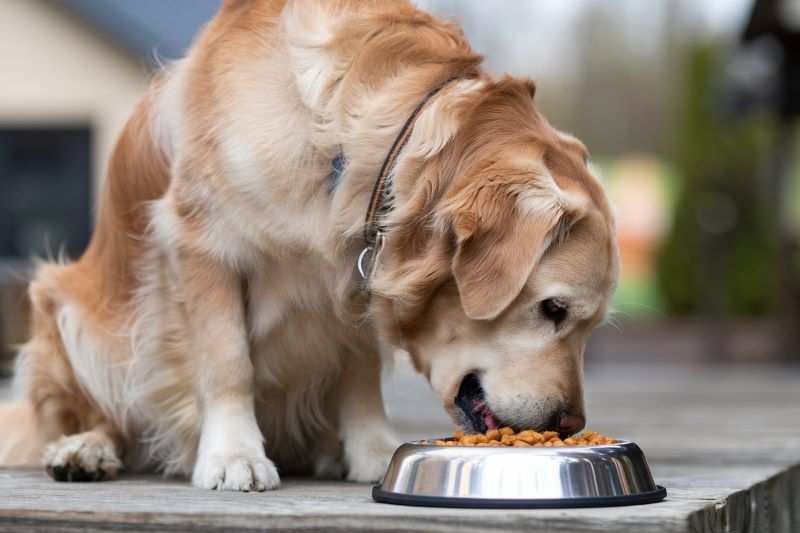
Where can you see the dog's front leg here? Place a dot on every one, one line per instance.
(363, 428)
(231, 454)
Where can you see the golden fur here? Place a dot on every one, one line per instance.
(216, 312)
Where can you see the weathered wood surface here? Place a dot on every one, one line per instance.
(722, 440)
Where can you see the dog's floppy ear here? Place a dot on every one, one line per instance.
(502, 230)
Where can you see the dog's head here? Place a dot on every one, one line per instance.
(499, 262)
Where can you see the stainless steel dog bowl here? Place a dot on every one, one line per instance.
(509, 477)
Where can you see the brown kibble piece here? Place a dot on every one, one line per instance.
(530, 436)
(506, 431)
(492, 434)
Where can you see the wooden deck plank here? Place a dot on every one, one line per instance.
(708, 433)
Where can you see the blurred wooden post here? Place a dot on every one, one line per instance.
(767, 19)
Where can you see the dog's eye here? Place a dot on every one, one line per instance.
(555, 310)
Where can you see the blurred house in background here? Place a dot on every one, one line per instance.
(667, 96)
(72, 70)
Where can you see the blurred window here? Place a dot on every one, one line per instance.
(44, 191)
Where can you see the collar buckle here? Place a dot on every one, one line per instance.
(368, 258)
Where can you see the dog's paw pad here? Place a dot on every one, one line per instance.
(86, 456)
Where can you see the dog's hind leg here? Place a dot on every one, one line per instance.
(63, 389)
(48, 411)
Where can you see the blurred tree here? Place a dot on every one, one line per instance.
(717, 258)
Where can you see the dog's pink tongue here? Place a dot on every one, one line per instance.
(490, 421)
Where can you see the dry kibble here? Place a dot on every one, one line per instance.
(524, 439)
(530, 436)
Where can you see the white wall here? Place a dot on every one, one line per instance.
(53, 71)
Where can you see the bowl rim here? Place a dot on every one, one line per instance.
(419, 445)
(400, 498)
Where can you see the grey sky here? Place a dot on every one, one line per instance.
(537, 37)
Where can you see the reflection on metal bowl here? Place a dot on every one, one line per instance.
(510, 477)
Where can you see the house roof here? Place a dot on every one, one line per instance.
(150, 29)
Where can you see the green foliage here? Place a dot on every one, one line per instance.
(717, 255)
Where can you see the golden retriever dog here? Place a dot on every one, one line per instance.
(316, 186)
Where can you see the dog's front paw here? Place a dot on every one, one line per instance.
(242, 472)
(231, 455)
(88, 456)
(369, 457)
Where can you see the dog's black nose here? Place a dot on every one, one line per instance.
(571, 424)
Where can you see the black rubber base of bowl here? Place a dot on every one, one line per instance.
(504, 503)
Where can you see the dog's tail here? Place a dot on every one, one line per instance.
(20, 442)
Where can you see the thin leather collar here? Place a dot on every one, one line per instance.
(380, 204)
